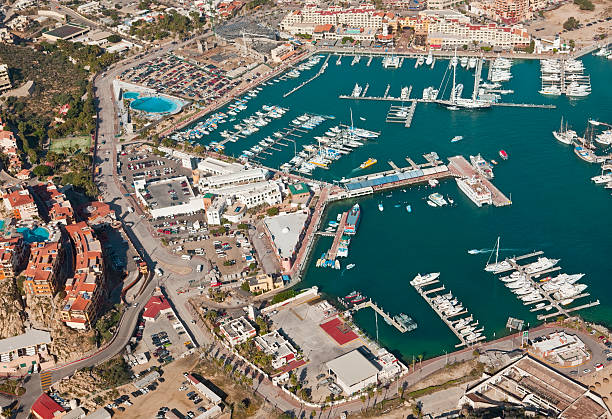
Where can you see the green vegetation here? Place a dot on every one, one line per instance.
(168, 24)
(347, 39)
(531, 47)
(42, 170)
(571, 24)
(245, 286)
(255, 3)
(585, 4)
(113, 373)
(105, 326)
(113, 39)
(304, 36)
(82, 143)
(243, 226)
(272, 211)
(80, 174)
(282, 296)
(250, 351)
(12, 387)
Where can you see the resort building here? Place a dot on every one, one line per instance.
(42, 273)
(448, 34)
(237, 331)
(235, 178)
(253, 194)
(5, 81)
(562, 348)
(532, 384)
(20, 354)
(216, 167)
(264, 283)
(13, 255)
(57, 205)
(85, 291)
(21, 204)
(286, 231)
(215, 211)
(512, 11)
(353, 371)
(275, 345)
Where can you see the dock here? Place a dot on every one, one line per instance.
(457, 326)
(401, 114)
(321, 71)
(460, 167)
(333, 251)
(390, 320)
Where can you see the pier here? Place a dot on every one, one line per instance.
(458, 326)
(460, 167)
(390, 320)
(333, 251)
(401, 114)
(321, 71)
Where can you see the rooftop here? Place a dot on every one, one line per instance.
(30, 338)
(45, 407)
(352, 367)
(286, 230)
(154, 306)
(66, 31)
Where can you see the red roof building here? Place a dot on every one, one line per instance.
(46, 408)
(42, 272)
(155, 306)
(13, 254)
(97, 213)
(21, 204)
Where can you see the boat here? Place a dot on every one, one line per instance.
(437, 199)
(493, 161)
(362, 118)
(408, 208)
(503, 154)
(351, 295)
(357, 90)
(473, 251)
(585, 154)
(423, 279)
(456, 138)
(406, 321)
(565, 135)
(482, 166)
(358, 299)
(476, 190)
(429, 59)
(352, 220)
(380, 207)
(433, 182)
(431, 204)
(542, 264)
(497, 266)
(350, 266)
(369, 162)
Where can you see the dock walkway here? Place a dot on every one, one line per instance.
(333, 251)
(460, 167)
(390, 320)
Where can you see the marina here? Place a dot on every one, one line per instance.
(449, 310)
(401, 322)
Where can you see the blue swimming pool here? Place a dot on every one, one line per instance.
(155, 104)
(130, 95)
(2, 225)
(39, 234)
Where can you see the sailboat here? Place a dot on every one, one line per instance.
(498, 266)
(565, 136)
(456, 101)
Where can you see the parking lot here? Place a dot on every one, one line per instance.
(137, 161)
(164, 340)
(300, 321)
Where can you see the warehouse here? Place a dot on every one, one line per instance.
(353, 371)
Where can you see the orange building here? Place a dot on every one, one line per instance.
(42, 272)
(13, 254)
(21, 204)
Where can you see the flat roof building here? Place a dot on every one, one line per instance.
(278, 347)
(353, 371)
(65, 32)
(168, 197)
(18, 354)
(42, 275)
(218, 167)
(253, 194)
(238, 330)
(235, 178)
(5, 81)
(286, 232)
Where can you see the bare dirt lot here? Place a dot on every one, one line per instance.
(601, 382)
(553, 23)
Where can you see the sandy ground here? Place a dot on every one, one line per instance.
(451, 373)
(553, 23)
(602, 380)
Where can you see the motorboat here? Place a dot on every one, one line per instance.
(423, 279)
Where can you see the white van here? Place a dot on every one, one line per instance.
(186, 257)
(159, 272)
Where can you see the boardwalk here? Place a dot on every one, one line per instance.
(460, 167)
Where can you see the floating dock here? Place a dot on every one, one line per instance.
(460, 167)
(455, 325)
(333, 251)
(390, 320)
(321, 71)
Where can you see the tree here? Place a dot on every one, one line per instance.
(113, 39)
(272, 211)
(245, 286)
(42, 170)
(571, 24)
(243, 226)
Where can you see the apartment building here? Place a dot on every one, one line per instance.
(58, 207)
(42, 275)
(444, 33)
(512, 11)
(13, 255)
(86, 290)
(365, 17)
(237, 331)
(21, 204)
(19, 354)
(5, 81)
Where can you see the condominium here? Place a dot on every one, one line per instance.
(512, 11)
(85, 291)
(21, 204)
(365, 16)
(442, 4)
(13, 254)
(57, 205)
(451, 33)
(42, 273)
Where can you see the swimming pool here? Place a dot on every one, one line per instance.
(2, 225)
(155, 104)
(39, 234)
(130, 95)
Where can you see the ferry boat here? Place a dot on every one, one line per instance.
(437, 199)
(503, 154)
(352, 220)
(476, 190)
(482, 166)
(369, 162)
(423, 279)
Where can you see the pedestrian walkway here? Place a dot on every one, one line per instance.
(45, 380)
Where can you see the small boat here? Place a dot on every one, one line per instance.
(456, 138)
(493, 161)
(380, 207)
(350, 266)
(352, 295)
(362, 118)
(450, 200)
(473, 251)
(433, 182)
(431, 204)
(369, 162)
(408, 208)
(503, 154)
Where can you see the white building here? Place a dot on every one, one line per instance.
(218, 167)
(5, 81)
(91, 8)
(366, 16)
(215, 211)
(237, 331)
(451, 33)
(353, 371)
(18, 354)
(562, 348)
(161, 202)
(442, 4)
(234, 178)
(278, 347)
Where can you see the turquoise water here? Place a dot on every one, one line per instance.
(556, 208)
(130, 95)
(39, 234)
(155, 104)
(2, 222)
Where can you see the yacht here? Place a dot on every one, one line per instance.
(429, 59)
(540, 265)
(565, 135)
(550, 90)
(381, 208)
(423, 279)
(437, 199)
(482, 166)
(357, 90)
(476, 190)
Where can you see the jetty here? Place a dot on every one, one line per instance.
(333, 251)
(321, 71)
(551, 303)
(401, 114)
(390, 320)
(463, 327)
(460, 167)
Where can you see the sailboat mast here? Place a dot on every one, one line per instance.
(453, 93)
(497, 252)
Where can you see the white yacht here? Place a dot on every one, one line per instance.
(477, 191)
(565, 135)
(357, 90)
(423, 279)
(540, 265)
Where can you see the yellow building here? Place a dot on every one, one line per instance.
(264, 283)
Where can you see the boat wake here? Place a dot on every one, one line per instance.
(479, 251)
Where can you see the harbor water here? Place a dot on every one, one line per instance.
(555, 206)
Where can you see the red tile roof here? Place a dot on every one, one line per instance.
(154, 306)
(45, 407)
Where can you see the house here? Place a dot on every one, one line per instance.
(155, 306)
(46, 408)
(278, 347)
(264, 283)
(19, 354)
(237, 331)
